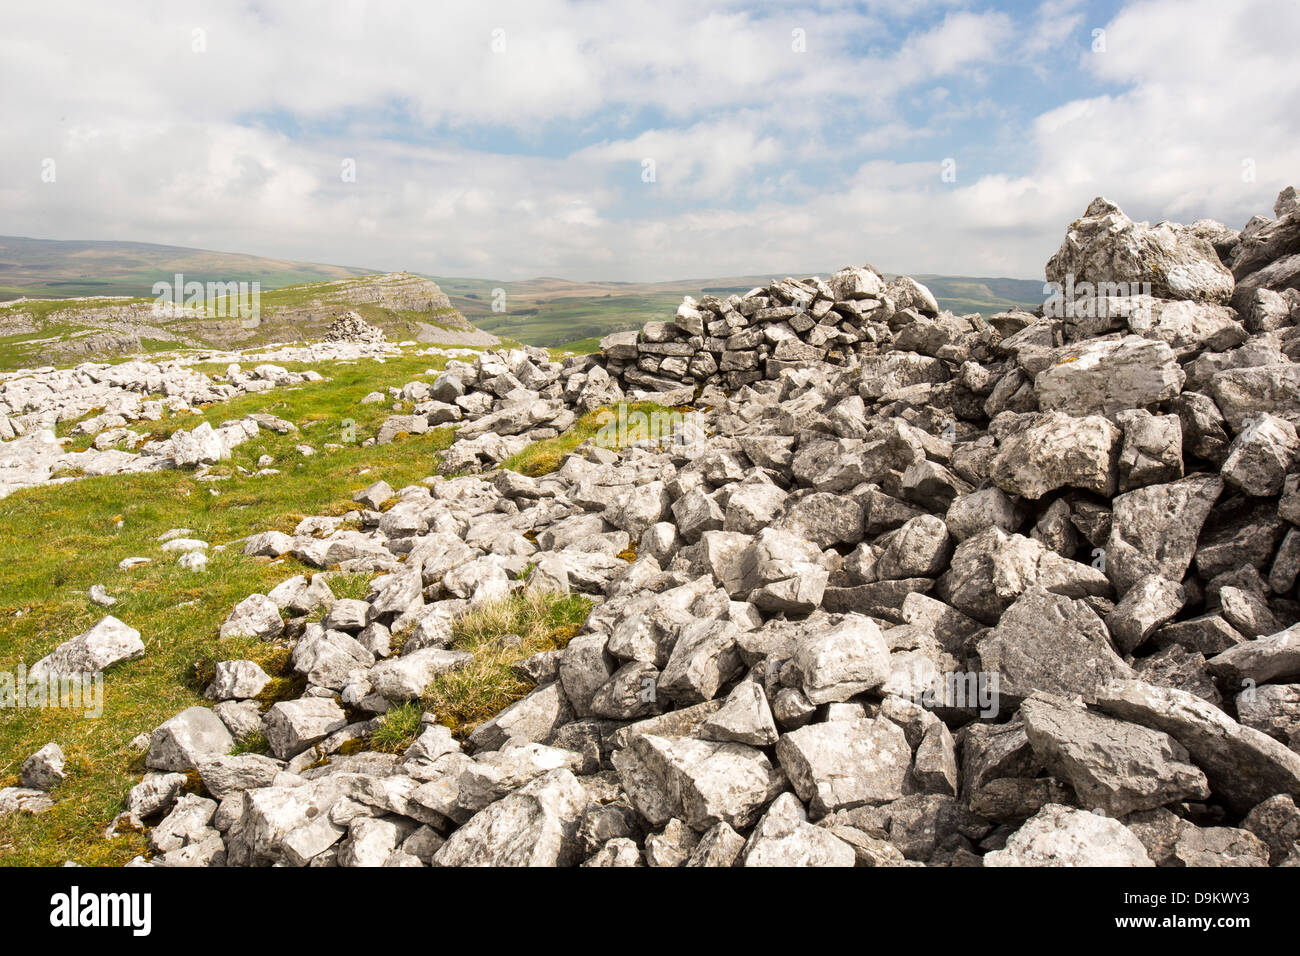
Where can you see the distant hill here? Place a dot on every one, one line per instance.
(97, 328)
(61, 268)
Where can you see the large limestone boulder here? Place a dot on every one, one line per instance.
(1064, 836)
(1106, 246)
(107, 643)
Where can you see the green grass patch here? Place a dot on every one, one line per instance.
(543, 457)
(465, 698)
(579, 347)
(398, 728)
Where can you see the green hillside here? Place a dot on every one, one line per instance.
(50, 268)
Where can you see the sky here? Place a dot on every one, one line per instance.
(640, 141)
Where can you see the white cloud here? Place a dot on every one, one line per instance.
(528, 161)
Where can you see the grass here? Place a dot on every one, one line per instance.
(543, 457)
(398, 728)
(465, 698)
(58, 541)
(579, 347)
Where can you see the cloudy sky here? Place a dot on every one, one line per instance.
(639, 141)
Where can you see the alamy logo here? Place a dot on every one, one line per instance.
(213, 300)
(76, 909)
(1101, 300)
(21, 689)
(972, 690)
(618, 429)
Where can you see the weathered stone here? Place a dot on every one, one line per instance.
(992, 569)
(184, 740)
(1048, 642)
(837, 663)
(1113, 766)
(536, 825)
(1154, 530)
(1243, 765)
(407, 677)
(784, 837)
(1058, 451)
(294, 725)
(109, 642)
(1275, 658)
(1105, 247)
(44, 770)
(1105, 376)
(1261, 455)
(255, 616)
(846, 763)
(237, 680)
(1062, 836)
(1220, 846)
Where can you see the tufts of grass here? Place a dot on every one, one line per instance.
(398, 728)
(465, 698)
(352, 585)
(254, 743)
(544, 457)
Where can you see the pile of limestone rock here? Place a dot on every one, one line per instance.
(957, 592)
(351, 327)
(788, 324)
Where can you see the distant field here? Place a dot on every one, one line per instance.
(63, 331)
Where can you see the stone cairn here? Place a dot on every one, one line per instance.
(351, 327)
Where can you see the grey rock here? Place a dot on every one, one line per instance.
(255, 616)
(1049, 642)
(1243, 765)
(1154, 530)
(45, 769)
(1059, 451)
(1220, 846)
(407, 677)
(1261, 455)
(744, 718)
(536, 825)
(183, 741)
(1112, 765)
(837, 663)
(109, 642)
(1105, 246)
(237, 680)
(784, 837)
(1275, 658)
(294, 725)
(1063, 836)
(846, 763)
